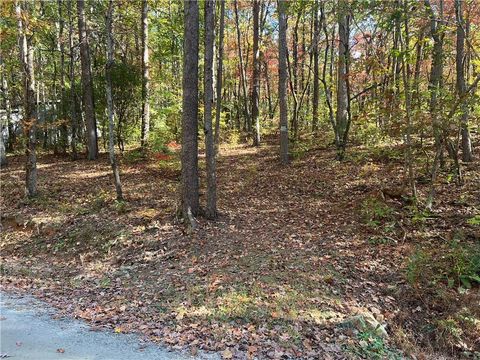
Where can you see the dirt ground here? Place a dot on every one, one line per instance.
(297, 253)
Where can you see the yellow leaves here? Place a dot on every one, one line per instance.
(227, 354)
(181, 313)
(476, 63)
(118, 330)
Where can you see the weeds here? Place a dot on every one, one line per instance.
(375, 212)
(372, 346)
(456, 264)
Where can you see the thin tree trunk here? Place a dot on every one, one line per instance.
(88, 104)
(218, 110)
(6, 105)
(467, 155)
(316, 77)
(256, 72)
(436, 74)
(190, 203)
(342, 74)
(211, 210)
(111, 114)
(326, 87)
(145, 82)
(268, 90)
(29, 121)
(282, 80)
(242, 71)
(408, 107)
(73, 96)
(61, 48)
(294, 76)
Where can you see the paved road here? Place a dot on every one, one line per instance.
(28, 332)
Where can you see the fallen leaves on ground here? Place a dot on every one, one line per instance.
(288, 261)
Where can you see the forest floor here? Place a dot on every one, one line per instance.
(311, 260)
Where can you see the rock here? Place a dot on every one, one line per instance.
(366, 322)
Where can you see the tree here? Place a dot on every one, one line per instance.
(316, 76)
(408, 101)
(342, 115)
(108, 71)
(146, 76)
(256, 72)
(73, 95)
(88, 104)
(436, 74)
(243, 76)
(61, 50)
(8, 113)
(467, 155)
(282, 79)
(218, 109)
(211, 210)
(29, 121)
(190, 201)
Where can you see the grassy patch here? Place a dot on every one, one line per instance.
(371, 346)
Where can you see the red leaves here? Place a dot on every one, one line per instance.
(161, 156)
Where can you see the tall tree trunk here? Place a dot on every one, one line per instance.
(61, 49)
(316, 77)
(218, 110)
(29, 121)
(436, 75)
(294, 77)
(406, 76)
(211, 210)
(190, 203)
(108, 78)
(242, 71)
(256, 72)
(282, 80)
(268, 90)
(88, 104)
(342, 118)
(145, 82)
(461, 86)
(8, 112)
(73, 96)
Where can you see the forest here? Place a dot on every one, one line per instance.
(256, 179)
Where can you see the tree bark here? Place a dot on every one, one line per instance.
(29, 121)
(256, 72)
(61, 49)
(218, 110)
(88, 104)
(190, 201)
(294, 77)
(111, 114)
(436, 74)
(8, 112)
(242, 71)
(342, 117)
(282, 80)
(146, 76)
(211, 210)
(467, 155)
(408, 102)
(316, 77)
(73, 96)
